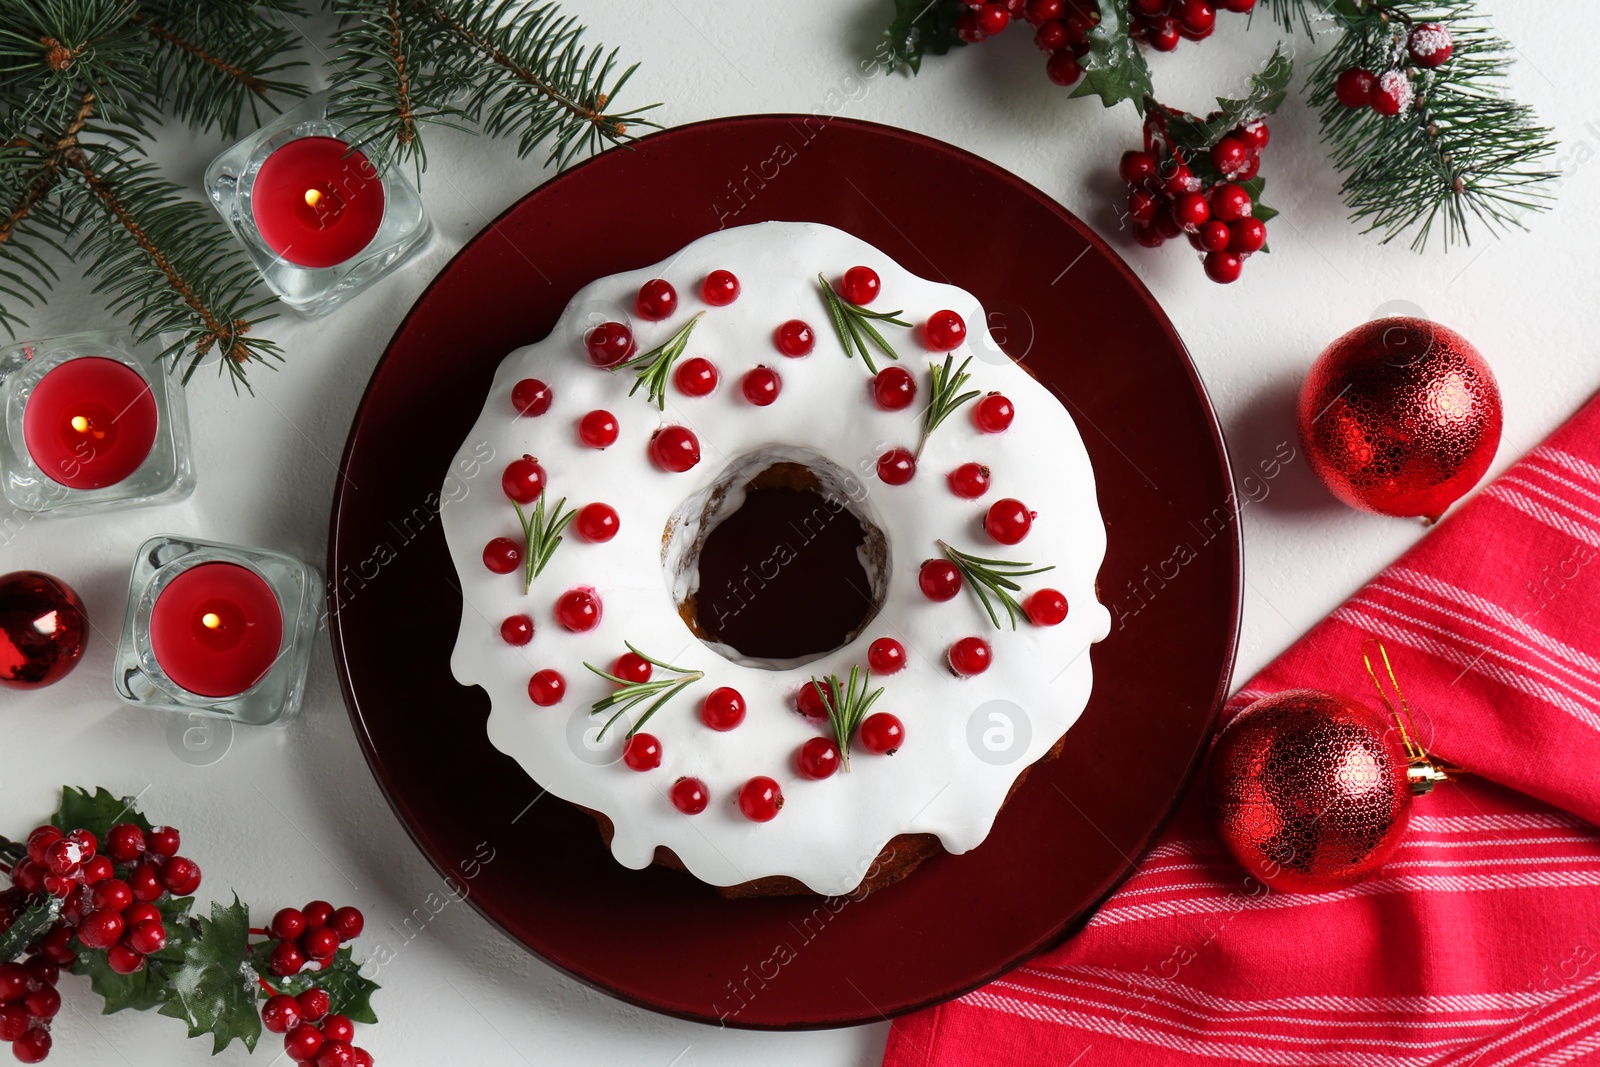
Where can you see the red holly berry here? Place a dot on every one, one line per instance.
(140, 912)
(760, 799)
(112, 893)
(657, 299)
(970, 656)
(598, 429)
(642, 752)
(1239, 6)
(609, 344)
(897, 466)
(302, 1043)
(1180, 179)
(280, 1014)
(1142, 205)
(13, 983)
(125, 842)
(967, 27)
(1052, 37)
(1229, 155)
(992, 18)
(1063, 69)
(1223, 267)
(286, 959)
(338, 1028)
(101, 928)
(1148, 236)
(723, 708)
(1038, 12)
(881, 733)
(34, 1044)
(945, 330)
(1137, 167)
(817, 759)
(1191, 210)
(63, 857)
(1163, 33)
(148, 937)
(695, 377)
(689, 795)
(145, 881)
(1391, 93)
(1246, 235)
(675, 448)
(516, 630)
(1353, 87)
(502, 555)
(720, 288)
(546, 687)
(596, 523)
(1008, 520)
(1230, 202)
(1213, 236)
(761, 386)
(993, 414)
(320, 942)
(314, 1004)
(810, 702)
(579, 610)
(349, 922)
(894, 388)
(860, 285)
(632, 668)
(1430, 45)
(13, 1022)
(886, 655)
(531, 397)
(523, 480)
(1251, 168)
(794, 338)
(1254, 136)
(969, 481)
(318, 913)
(288, 924)
(939, 579)
(98, 870)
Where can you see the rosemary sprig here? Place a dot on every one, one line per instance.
(992, 577)
(946, 396)
(847, 706)
(634, 693)
(542, 534)
(655, 366)
(854, 325)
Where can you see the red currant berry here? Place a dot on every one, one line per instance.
(1229, 155)
(1136, 167)
(1191, 210)
(41, 839)
(811, 701)
(148, 937)
(720, 288)
(1062, 69)
(689, 795)
(1198, 17)
(969, 481)
(657, 299)
(939, 579)
(970, 656)
(993, 414)
(896, 466)
(761, 385)
(1230, 202)
(579, 610)
(302, 1043)
(288, 924)
(632, 668)
(1391, 93)
(502, 555)
(596, 523)
(1008, 520)
(992, 18)
(609, 344)
(124, 960)
(145, 881)
(795, 338)
(894, 388)
(338, 1028)
(1254, 136)
(523, 480)
(945, 330)
(1142, 205)
(125, 842)
(860, 285)
(349, 922)
(280, 1014)
(882, 733)
(320, 943)
(1223, 267)
(1052, 37)
(675, 448)
(598, 429)
(1163, 33)
(760, 799)
(13, 1022)
(516, 630)
(314, 1004)
(113, 893)
(1353, 87)
(546, 687)
(642, 752)
(1213, 236)
(818, 758)
(1046, 607)
(723, 709)
(98, 870)
(1246, 235)
(886, 655)
(286, 959)
(1430, 45)
(695, 377)
(531, 397)
(1038, 12)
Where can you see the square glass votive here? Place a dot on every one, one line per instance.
(320, 222)
(218, 629)
(92, 421)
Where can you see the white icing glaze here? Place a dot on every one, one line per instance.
(829, 832)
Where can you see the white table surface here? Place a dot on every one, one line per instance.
(289, 815)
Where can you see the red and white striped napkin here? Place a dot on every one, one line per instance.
(1478, 944)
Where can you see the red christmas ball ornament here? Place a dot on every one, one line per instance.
(1400, 416)
(43, 627)
(1310, 790)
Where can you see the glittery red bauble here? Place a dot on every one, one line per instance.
(42, 629)
(1400, 416)
(1310, 790)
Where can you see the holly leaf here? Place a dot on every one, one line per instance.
(1114, 68)
(151, 987)
(28, 927)
(340, 978)
(1268, 86)
(213, 991)
(1254, 186)
(921, 27)
(97, 812)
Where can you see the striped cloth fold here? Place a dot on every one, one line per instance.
(1477, 945)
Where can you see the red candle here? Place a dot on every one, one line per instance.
(317, 203)
(216, 628)
(90, 422)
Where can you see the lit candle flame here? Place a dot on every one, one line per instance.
(313, 198)
(210, 620)
(80, 424)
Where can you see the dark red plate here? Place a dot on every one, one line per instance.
(1061, 301)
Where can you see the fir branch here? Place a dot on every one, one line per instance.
(944, 396)
(847, 705)
(541, 536)
(992, 578)
(853, 323)
(655, 366)
(631, 694)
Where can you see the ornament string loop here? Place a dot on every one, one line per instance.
(1422, 771)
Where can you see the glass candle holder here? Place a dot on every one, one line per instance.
(92, 421)
(320, 220)
(219, 630)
